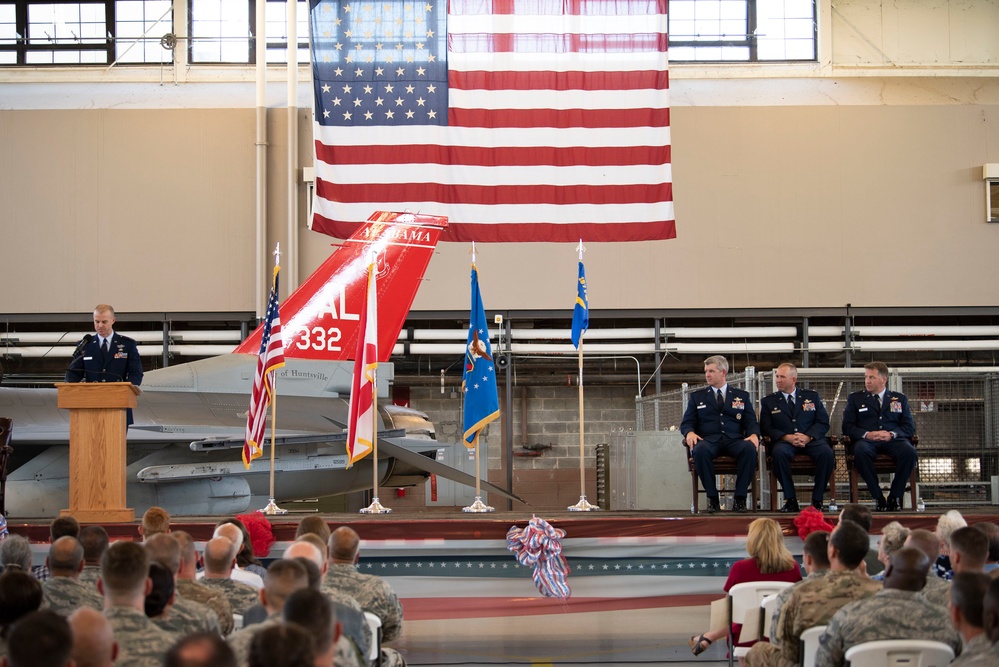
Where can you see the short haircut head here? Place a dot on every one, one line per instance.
(20, 594)
(306, 549)
(104, 308)
(164, 549)
(314, 540)
(859, 514)
(283, 578)
(15, 553)
(973, 546)
(315, 525)
(95, 542)
(991, 531)
(790, 368)
(161, 592)
(817, 547)
(40, 639)
(230, 531)
(62, 526)
(967, 593)
(219, 555)
(313, 610)
(720, 362)
(156, 520)
(925, 541)
(65, 555)
(879, 366)
(991, 611)
(851, 542)
(948, 523)
(312, 571)
(188, 549)
(893, 537)
(344, 543)
(93, 638)
(201, 649)
(124, 568)
(285, 645)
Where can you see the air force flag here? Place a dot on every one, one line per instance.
(479, 383)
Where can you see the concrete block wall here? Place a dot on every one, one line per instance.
(542, 415)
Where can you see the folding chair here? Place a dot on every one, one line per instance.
(809, 642)
(900, 653)
(745, 599)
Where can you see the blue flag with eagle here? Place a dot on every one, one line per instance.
(581, 311)
(479, 382)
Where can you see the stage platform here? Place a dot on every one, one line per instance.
(640, 581)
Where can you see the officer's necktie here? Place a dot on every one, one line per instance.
(877, 399)
(718, 397)
(104, 348)
(790, 403)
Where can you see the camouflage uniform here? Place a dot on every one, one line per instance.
(64, 595)
(373, 593)
(345, 654)
(140, 642)
(210, 597)
(187, 617)
(240, 596)
(240, 640)
(984, 658)
(812, 603)
(355, 628)
(782, 597)
(891, 614)
(937, 590)
(978, 645)
(90, 575)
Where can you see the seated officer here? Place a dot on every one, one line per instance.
(721, 420)
(796, 422)
(879, 422)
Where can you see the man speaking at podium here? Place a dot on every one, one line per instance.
(106, 357)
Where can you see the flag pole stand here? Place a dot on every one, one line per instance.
(583, 505)
(375, 507)
(272, 508)
(477, 505)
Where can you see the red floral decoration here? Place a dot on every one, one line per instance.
(261, 535)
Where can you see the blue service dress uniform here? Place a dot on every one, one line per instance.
(120, 364)
(807, 416)
(862, 415)
(723, 428)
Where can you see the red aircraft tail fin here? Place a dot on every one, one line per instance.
(320, 319)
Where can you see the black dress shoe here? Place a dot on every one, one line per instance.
(739, 505)
(817, 504)
(894, 505)
(881, 505)
(790, 505)
(713, 505)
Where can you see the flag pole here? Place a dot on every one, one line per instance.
(272, 507)
(477, 505)
(583, 505)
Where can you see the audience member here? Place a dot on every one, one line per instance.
(937, 590)
(93, 639)
(969, 549)
(946, 525)
(40, 639)
(63, 591)
(155, 521)
(814, 602)
(202, 649)
(124, 583)
(897, 612)
(186, 616)
(61, 526)
(314, 612)
(283, 578)
(234, 533)
(966, 608)
(246, 560)
(313, 525)
(282, 645)
(15, 554)
(220, 559)
(95, 542)
(815, 560)
(159, 598)
(990, 620)
(305, 547)
(20, 594)
(892, 539)
(991, 531)
(861, 515)
(769, 560)
(189, 588)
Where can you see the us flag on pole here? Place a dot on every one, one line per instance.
(519, 120)
(271, 357)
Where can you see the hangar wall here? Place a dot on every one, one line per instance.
(124, 190)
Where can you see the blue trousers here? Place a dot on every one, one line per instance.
(819, 450)
(742, 451)
(900, 449)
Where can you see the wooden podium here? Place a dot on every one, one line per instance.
(97, 423)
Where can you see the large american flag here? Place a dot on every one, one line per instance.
(271, 357)
(519, 120)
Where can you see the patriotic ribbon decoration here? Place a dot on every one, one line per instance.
(539, 545)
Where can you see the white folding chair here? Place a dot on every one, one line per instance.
(745, 599)
(900, 653)
(809, 643)
(769, 603)
(237, 622)
(375, 652)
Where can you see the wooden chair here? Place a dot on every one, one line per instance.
(724, 465)
(883, 464)
(6, 426)
(801, 464)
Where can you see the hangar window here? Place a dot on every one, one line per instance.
(742, 30)
(222, 31)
